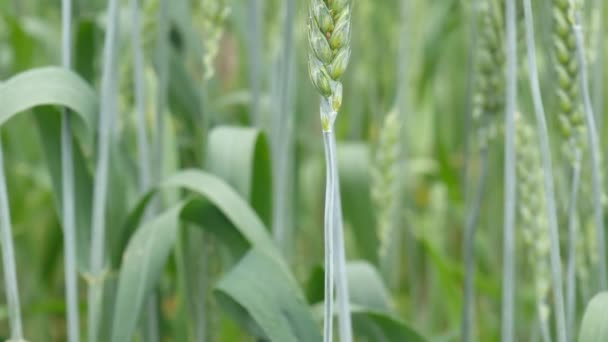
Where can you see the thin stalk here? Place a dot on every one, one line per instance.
(8, 258)
(282, 133)
(401, 100)
(469, 251)
(468, 103)
(344, 318)
(162, 55)
(594, 146)
(140, 98)
(100, 189)
(541, 122)
(255, 58)
(572, 240)
(598, 72)
(330, 208)
(67, 181)
(508, 292)
(162, 59)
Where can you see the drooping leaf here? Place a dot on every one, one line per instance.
(371, 307)
(241, 157)
(214, 206)
(47, 86)
(263, 296)
(594, 326)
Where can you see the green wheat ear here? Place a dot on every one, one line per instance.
(567, 69)
(489, 93)
(385, 187)
(532, 212)
(213, 18)
(329, 53)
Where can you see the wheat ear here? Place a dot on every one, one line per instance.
(329, 52)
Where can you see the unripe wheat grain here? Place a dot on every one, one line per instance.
(532, 209)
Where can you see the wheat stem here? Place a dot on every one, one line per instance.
(106, 122)
(140, 98)
(572, 241)
(343, 298)
(469, 250)
(255, 58)
(508, 292)
(330, 208)
(598, 72)
(541, 122)
(67, 177)
(594, 149)
(8, 257)
(282, 129)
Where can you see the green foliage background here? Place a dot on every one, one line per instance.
(210, 128)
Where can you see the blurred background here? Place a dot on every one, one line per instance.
(244, 64)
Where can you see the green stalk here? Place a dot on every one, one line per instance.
(106, 121)
(572, 240)
(594, 145)
(598, 72)
(329, 53)
(344, 319)
(282, 129)
(67, 181)
(255, 58)
(162, 58)
(469, 250)
(8, 258)
(330, 209)
(541, 122)
(140, 98)
(508, 291)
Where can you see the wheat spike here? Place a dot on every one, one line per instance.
(329, 53)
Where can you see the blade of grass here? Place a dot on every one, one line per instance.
(100, 189)
(255, 58)
(594, 145)
(572, 241)
(508, 291)
(541, 122)
(67, 177)
(598, 70)
(469, 251)
(343, 297)
(282, 131)
(8, 258)
(140, 98)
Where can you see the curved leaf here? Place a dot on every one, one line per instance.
(594, 326)
(266, 299)
(241, 156)
(214, 205)
(373, 319)
(382, 327)
(47, 86)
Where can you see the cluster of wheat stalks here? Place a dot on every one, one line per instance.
(529, 151)
(532, 206)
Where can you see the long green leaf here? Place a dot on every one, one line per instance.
(262, 295)
(371, 306)
(215, 206)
